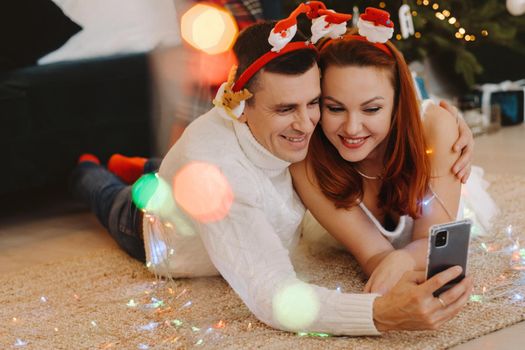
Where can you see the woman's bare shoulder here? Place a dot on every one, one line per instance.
(441, 132)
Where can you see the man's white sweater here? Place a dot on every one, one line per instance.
(250, 247)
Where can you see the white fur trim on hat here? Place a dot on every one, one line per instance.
(374, 33)
(321, 28)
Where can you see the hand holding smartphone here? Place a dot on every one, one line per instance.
(448, 246)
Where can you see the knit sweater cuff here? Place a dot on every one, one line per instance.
(350, 314)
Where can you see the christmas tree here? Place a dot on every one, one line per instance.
(455, 30)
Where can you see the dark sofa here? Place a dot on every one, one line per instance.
(51, 114)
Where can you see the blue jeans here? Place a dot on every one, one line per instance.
(110, 199)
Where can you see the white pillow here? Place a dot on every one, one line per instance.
(116, 26)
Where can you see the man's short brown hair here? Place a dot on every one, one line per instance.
(252, 43)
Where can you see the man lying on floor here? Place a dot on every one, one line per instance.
(251, 141)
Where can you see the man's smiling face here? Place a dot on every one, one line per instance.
(285, 112)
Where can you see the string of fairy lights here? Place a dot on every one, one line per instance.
(444, 14)
(162, 309)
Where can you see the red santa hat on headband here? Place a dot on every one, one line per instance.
(285, 29)
(329, 24)
(375, 25)
(314, 7)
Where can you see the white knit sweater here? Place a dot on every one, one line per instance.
(250, 247)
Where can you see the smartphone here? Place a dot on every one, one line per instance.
(448, 246)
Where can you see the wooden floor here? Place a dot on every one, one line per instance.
(60, 229)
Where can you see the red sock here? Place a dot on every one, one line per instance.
(88, 157)
(129, 169)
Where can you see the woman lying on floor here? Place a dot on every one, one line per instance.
(378, 173)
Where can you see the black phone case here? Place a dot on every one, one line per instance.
(455, 252)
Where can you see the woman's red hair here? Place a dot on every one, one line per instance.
(407, 167)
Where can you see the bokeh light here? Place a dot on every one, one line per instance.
(209, 28)
(476, 298)
(517, 261)
(313, 334)
(203, 192)
(149, 194)
(153, 195)
(149, 327)
(212, 69)
(296, 306)
(20, 343)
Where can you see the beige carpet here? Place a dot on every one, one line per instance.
(109, 301)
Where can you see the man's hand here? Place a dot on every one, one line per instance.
(464, 145)
(410, 304)
(389, 272)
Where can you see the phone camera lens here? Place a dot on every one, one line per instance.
(441, 238)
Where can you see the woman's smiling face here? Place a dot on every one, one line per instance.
(357, 106)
